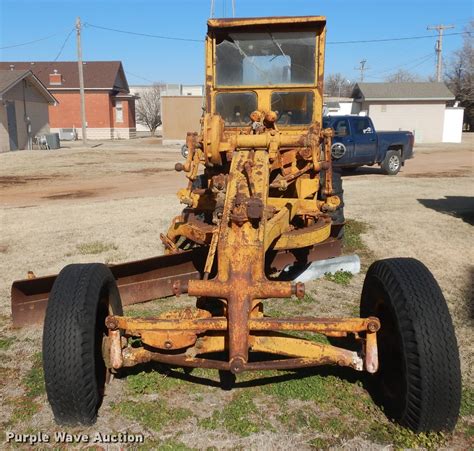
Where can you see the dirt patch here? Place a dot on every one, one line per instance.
(449, 174)
(8, 180)
(149, 171)
(79, 194)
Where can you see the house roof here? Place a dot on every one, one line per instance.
(10, 78)
(105, 75)
(402, 91)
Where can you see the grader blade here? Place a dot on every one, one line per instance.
(138, 281)
(144, 280)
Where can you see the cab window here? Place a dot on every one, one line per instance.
(293, 108)
(341, 127)
(264, 58)
(362, 125)
(235, 107)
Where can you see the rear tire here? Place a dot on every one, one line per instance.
(419, 378)
(74, 370)
(392, 163)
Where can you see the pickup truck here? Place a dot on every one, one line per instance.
(356, 143)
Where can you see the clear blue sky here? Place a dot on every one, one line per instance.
(182, 62)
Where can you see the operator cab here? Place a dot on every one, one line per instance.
(260, 65)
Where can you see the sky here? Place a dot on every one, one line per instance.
(149, 60)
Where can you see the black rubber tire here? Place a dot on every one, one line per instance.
(386, 166)
(419, 378)
(74, 370)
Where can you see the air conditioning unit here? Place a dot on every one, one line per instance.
(67, 134)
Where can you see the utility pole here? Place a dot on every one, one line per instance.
(233, 8)
(362, 69)
(439, 48)
(81, 81)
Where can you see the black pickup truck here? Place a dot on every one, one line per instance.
(356, 143)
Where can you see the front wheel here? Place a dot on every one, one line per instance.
(419, 378)
(392, 163)
(74, 369)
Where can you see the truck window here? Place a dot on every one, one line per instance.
(293, 108)
(362, 125)
(235, 107)
(341, 127)
(264, 58)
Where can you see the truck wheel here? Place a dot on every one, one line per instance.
(184, 151)
(74, 370)
(419, 379)
(392, 163)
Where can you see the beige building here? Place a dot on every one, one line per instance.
(417, 107)
(180, 114)
(24, 112)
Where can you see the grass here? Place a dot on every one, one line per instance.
(467, 402)
(34, 379)
(240, 416)
(95, 247)
(24, 407)
(352, 235)
(151, 382)
(153, 415)
(340, 277)
(6, 342)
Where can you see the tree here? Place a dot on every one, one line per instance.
(148, 108)
(402, 76)
(336, 85)
(459, 77)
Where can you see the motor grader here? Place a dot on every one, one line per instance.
(261, 203)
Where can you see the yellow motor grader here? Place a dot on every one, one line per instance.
(261, 203)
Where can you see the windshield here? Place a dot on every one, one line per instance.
(254, 59)
(235, 107)
(293, 108)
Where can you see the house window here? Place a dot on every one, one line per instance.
(118, 111)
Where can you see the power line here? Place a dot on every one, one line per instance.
(399, 66)
(407, 38)
(63, 45)
(139, 76)
(29, 42)
(171, 38)
(419, 63)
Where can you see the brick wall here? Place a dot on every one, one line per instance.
(100, 114)
(67, 113)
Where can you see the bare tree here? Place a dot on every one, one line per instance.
(336, 85)
(402, 76)
(460, 77)
(149, 108)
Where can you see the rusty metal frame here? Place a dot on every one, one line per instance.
(258, 213)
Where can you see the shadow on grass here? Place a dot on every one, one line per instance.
(459, 206)
(274, 376)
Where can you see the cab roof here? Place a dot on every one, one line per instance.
(243, 22)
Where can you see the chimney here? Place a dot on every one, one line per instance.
(55, 79)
